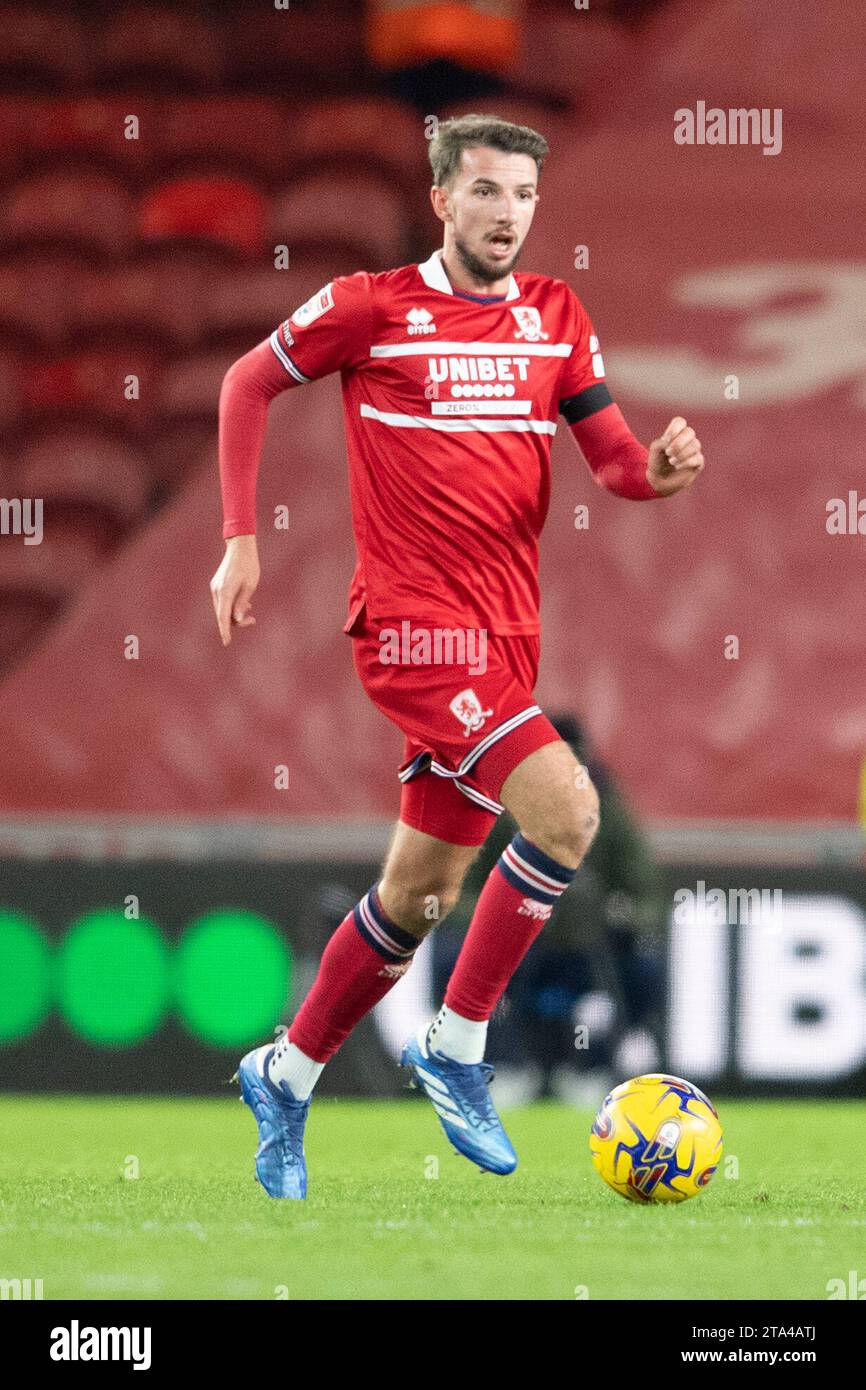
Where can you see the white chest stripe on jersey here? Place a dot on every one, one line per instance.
(424, 422)
(435, 348)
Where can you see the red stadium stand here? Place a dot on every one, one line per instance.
(24, 617)
(301, 668)
(81, 208)
(720, 53)
(178, 446)
(288, 49)
(244, 306)
(250, 303)
(94, 128)
(189, 387)
(636, 609)
(162, 293)
(38, 581)
(48, 574)
(94, 380)
(576, 56)
(224, 128)
(219, 210)
(373, 132)
(344, 208)
(10, 387)
(704, 265)
(41, 46)
(41, 292)
(85, 469)
(157, 46)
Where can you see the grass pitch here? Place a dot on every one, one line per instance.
(393, 1213)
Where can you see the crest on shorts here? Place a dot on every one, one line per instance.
(467, 708)
(528, 324)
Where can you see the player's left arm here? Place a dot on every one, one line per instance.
(618, 461)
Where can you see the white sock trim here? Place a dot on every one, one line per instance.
(461, 1039)
(293, 1066)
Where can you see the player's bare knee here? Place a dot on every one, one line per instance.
(589, 815)
(566, 832)
(418, 907)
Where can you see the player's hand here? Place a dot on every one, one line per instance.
(234, 584)
(675, 459)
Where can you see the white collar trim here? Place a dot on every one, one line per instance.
(432, 272)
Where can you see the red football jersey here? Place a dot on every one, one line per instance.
(450, 404)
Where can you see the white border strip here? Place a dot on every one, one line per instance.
(822, 843)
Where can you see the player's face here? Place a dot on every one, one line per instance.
(488, 210)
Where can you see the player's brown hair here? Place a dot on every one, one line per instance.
(468, 132)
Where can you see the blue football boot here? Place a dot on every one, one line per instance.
(461, 1099)
(280, 1163)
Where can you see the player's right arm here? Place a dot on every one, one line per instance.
(249, 386)
(331, 331)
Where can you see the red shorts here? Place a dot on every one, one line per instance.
(466, 725)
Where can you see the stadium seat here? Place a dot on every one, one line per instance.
(37, 581)
(177, 448)
(341, 207)
(251, 302)
(231, 129)
(157, 46)
(80, 127)
(164, 290)
(88, 469)
(80, 208)
(243, 306)
(10, 388)
(41, 292)
(212, 208)
(96, 379)
(12, 127)
(377, 133)
(189, 387)
(297, 47)
(41, 46)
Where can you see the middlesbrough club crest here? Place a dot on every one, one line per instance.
(467, 707)
(529, 325)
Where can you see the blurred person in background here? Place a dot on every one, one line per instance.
(435, 52)
(587, 1000)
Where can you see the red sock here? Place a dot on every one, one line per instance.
(363, 960)
(513, 906)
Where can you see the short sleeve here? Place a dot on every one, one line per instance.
(582, 386)
(330, 332)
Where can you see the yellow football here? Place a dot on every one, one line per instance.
(656, 1138)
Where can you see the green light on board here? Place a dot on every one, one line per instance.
(116, 980)
(112, 978)
(232, 977)
(24, 976)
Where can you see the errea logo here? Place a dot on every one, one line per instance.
(420, 321)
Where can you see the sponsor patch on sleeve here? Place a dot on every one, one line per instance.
(314, 308)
